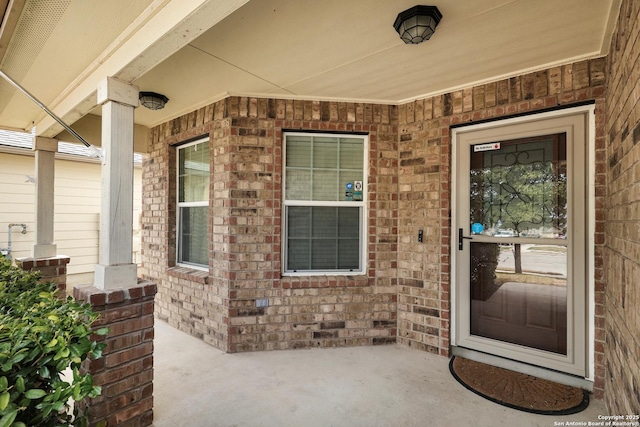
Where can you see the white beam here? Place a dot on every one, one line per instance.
(165, 27)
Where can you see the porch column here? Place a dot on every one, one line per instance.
(44, 258)
(115, 268)
(125, 370)
(45, 149)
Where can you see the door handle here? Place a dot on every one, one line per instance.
(461, 238)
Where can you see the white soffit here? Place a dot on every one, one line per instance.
(44, 56)
(164, 27)
(348, 50)
(198, 51)
(79, 42)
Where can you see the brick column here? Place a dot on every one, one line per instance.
(53, 269)
(125, 371)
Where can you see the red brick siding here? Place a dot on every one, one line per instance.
(622, 231)
(409, 190)
(245, 229)
(125, 370)
(425, 184)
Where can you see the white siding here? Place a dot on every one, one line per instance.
(17, 202)
(76, 211)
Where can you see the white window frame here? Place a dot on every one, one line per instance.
(180, 204)
(362, 205)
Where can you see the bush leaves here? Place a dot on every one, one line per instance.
(4, 400)
(35, 393)
(41, 336)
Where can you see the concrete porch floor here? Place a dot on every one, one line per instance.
(199, 386)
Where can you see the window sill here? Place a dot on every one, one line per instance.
(319, 274)
(191, 274)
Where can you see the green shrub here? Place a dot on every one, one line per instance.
(41, 336)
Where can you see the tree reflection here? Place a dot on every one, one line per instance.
(520, 190)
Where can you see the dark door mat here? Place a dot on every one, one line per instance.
(518, 391)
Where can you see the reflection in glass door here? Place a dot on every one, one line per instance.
(519, 290)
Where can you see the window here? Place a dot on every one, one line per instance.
(193, 204)
(324, 203)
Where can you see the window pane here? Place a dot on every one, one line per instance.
(348, 222)
(520, 189)
(298, 232)
(349, 243)
(349, 254)
(351, 153)
(298, 185)
(323, 238)
(325, 222)
(324, 254)
(193, 173)
(318, 168)
(325, 153)
(299, 255)
(325, 185)
(519, 294)
(299, 222)
(193, 235)
(195, 188)
(299, 151)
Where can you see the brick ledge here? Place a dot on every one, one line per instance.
(306, 282)
(99, 297)
(28, 263)
(191, 274)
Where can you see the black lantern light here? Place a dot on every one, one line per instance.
(417, 24)
(152, 100)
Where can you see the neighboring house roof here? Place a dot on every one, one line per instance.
(25, 140)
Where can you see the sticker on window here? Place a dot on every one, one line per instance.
(486, 147)
(357, 191)
(348, 195)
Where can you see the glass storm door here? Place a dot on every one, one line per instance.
(520, 248)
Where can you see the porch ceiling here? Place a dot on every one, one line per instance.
(198, 51)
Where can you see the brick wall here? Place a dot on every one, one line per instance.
(425, 184)
(125, 371)
(245, 231)
(622, 216)
(52, 269)
(406, 292)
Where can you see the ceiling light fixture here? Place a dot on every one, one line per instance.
(417, 24)
(152, 100)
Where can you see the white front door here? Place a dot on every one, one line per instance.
(520, 228)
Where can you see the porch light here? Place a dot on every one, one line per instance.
(417, 24)
(152, 100)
